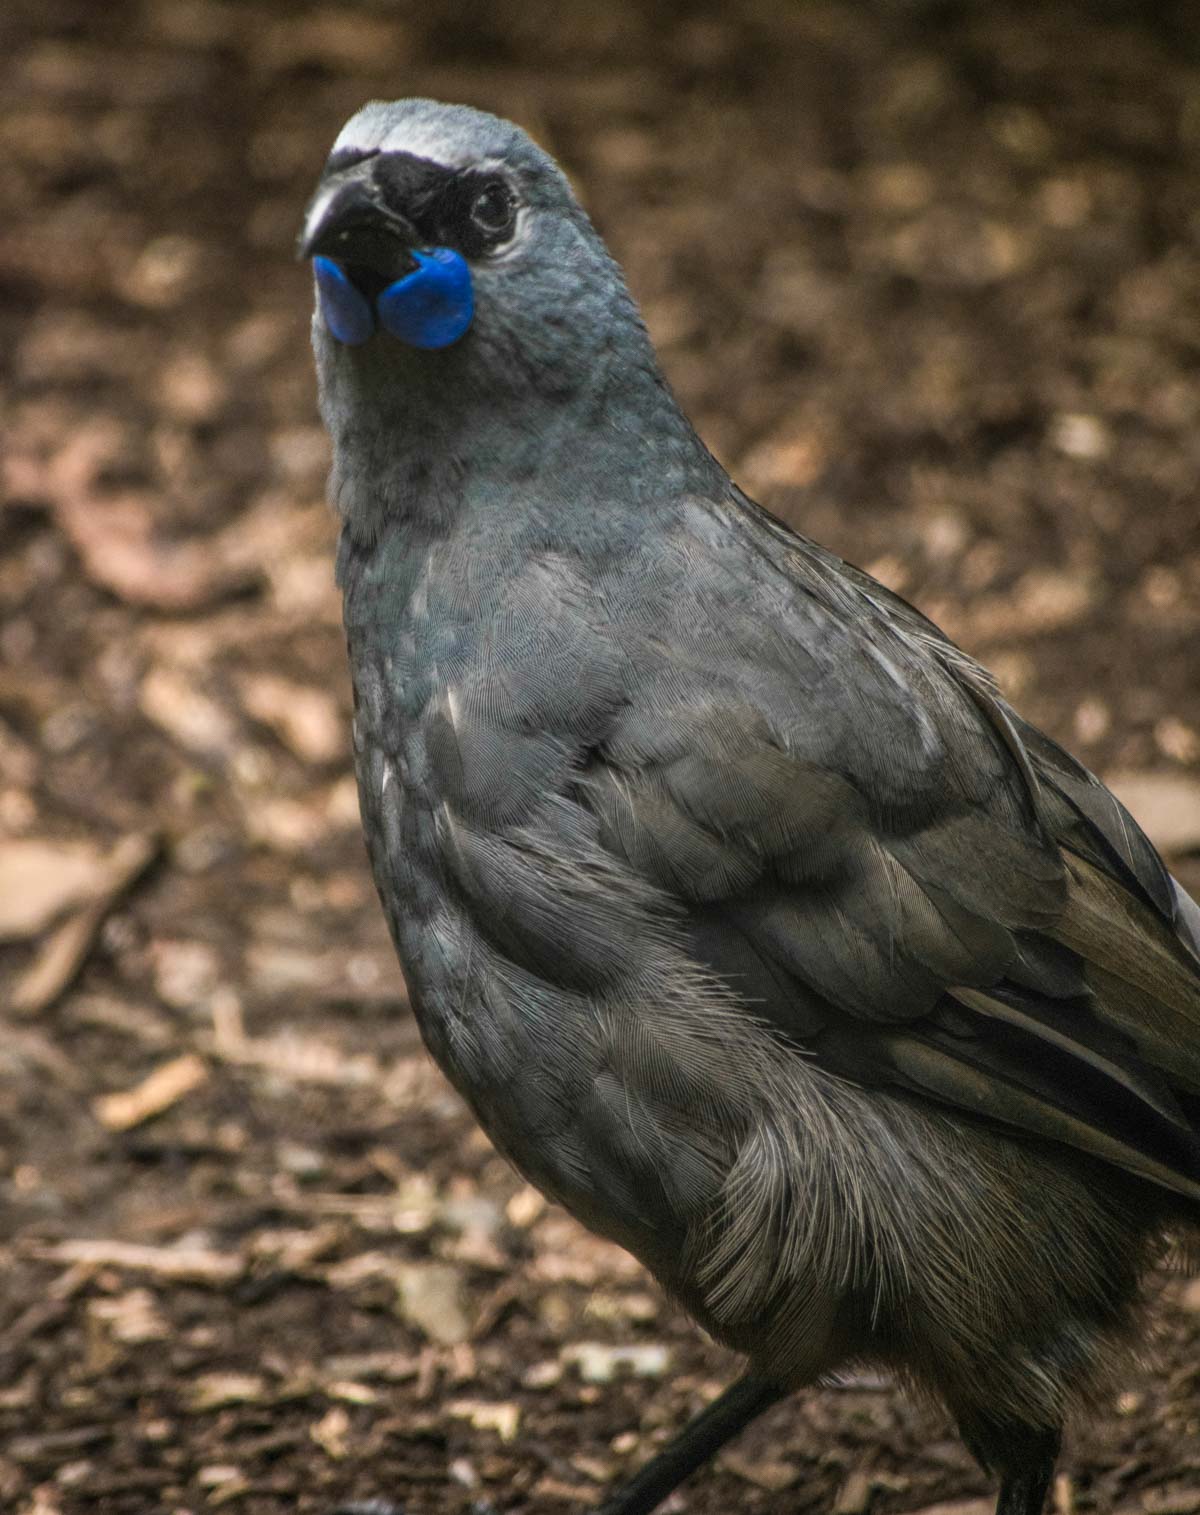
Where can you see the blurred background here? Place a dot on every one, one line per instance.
(926, 275)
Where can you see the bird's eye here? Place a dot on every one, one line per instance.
(493, 210)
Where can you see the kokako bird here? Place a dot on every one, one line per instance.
(752, 923)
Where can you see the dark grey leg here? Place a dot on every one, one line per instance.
(730, 1413)
(1025, 1493)
(1023, 1456)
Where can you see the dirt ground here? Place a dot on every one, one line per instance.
(927, 275)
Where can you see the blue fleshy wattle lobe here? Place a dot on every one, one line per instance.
(434, 305)
(344, 307)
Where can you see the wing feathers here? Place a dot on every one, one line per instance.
(1107, 926)
(1075, 1032)
(948, 1079)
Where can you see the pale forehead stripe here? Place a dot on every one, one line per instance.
(424, 139)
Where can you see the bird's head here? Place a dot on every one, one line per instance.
(437, 225)
(428, 214)
(466, 308)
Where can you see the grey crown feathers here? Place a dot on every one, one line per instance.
(751, 922)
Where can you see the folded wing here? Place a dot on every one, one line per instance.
(903, 878)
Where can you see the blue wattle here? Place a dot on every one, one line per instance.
(432, 306)
(344, 307)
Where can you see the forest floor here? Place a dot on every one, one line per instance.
(927, 276)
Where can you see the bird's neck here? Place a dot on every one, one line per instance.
(436, 449)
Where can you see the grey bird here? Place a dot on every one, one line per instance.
(751, 922)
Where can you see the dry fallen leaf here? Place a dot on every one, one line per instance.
(191, 388)
(62, 956)
(294, 1058)
(960, 1507)
(115, 539)
(157, 1092)
(635, 1305)
(215, 1474)
(296, 825)
(190, 1264)
(140, 1023)
(174, 701)
(351, 1392)
(43, 1502)
(56, 964)
(1044, 600)
(362, 1268)
(598, 1469)
(1080, 436)
(114, 533)
(598, 1362)
(792, 461)
(166, 270)
(1165, 805)
(1178, 1501)
(307, 719)
(40, 879)
(332, 1432)
(766, 1473)
(564, 1253)
(346, 37)
(542, 1375)
(570, 1494)
(19, 761)
(212, 1391)
(464, 1471)
(504, 1419)
(392, 1367)
(132, 1317)
(854, 1496)
(524, 1207)
(293, 1249)
(186, 973)
(431, 1297)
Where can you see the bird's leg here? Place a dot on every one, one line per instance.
(704, 1435)
(1023, 1456)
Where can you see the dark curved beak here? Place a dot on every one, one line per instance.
(348, 219)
